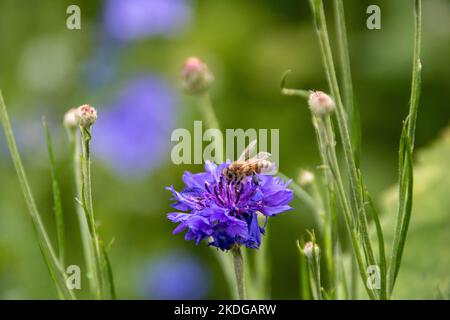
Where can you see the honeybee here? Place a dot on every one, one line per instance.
(246, 166)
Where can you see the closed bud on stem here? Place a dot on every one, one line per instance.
(311, 249)
(320, 103)
(305, 178)
(86, 116)
(70, 119)
(195, 76)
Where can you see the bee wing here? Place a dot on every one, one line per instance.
(248, 151)
(259, 157)
(262, 155)
(271, 170)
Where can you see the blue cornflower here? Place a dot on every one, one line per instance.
(225, 212)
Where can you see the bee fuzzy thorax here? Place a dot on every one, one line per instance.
(239, 170)
(247, 166)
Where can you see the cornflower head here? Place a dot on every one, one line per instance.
(305, 178)
(196, 78)
(86, 116)
(320, 103)
(226, 212)
(311, 250)
(70, 119)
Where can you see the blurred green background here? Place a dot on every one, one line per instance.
(45, 69)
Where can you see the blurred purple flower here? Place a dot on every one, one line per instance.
(136, 19)
(132, 133)
(176, 276)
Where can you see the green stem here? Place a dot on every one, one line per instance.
(321, 29)
(353, 278)
(327, 143)
(344, 56)
(89, 211)
(225, 262)
(295, 92)
(75, 146)
(239, 271)
(355, 180)
(315, 268)
(416, 73)
(56, 271)
(207, 110)
(305, 293)
(329, 218)
(346, 77)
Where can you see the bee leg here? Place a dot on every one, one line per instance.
(237, 183)
(255, 178)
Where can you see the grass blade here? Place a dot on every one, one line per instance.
(109, 273)
(381, 248)
(404, 208)
(56, 270)
(57, 206)
(346, 80)
(406, 156)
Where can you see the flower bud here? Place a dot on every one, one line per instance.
(311, 249)
(320, 103)
(305, 178)
(86, 116)
(195, 76)
(70, 119)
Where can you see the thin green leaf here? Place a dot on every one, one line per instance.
(367, 245)
(56, 271)
(346, 78)
(356, 134)
(381, 249)
(407, 207)
(406, 155)
(108, 272)
(57, 206)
